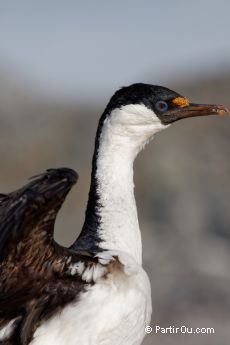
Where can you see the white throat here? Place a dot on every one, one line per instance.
(122, 137)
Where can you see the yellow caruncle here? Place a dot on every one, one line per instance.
(181, 101)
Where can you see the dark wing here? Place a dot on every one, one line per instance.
(27, 219)
(24, 209)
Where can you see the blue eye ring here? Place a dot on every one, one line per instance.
(161, 106)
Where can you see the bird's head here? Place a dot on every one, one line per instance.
(144, 109)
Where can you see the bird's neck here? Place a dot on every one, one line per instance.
(111, 217)
(111, 220)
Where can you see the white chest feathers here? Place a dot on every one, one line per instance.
(114, 311)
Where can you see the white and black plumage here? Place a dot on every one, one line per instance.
(96, 292)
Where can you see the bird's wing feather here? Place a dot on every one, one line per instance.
(23, 210)
(27, 219)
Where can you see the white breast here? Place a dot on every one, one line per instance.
(115, 311)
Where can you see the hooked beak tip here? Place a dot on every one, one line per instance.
(222, 110)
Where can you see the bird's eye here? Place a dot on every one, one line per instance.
(161, 106)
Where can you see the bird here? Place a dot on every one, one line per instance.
(95, 292)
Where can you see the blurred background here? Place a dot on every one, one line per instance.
(60, 61)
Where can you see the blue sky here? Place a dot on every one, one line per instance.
(86, 49)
